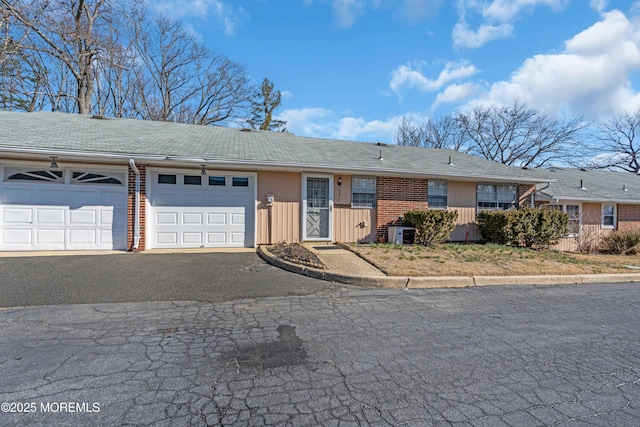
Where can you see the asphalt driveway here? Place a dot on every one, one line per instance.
(85, 279)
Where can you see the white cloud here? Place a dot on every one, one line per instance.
(590, 78)
(599, 5)
(323, 123)
(463, 36)
(406, 76)
(456, 93)
(228, 16)
(286, 94)
(496, 18)
(345, 11)
(507, 10)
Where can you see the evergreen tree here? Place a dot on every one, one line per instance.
(265, 101)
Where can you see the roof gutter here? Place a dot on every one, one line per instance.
(272, 165)
(136, 213)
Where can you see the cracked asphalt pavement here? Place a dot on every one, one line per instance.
(491, 356)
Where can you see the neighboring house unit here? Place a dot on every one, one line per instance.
(71, 181)
(597, 202)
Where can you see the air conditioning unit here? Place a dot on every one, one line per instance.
(400, 235)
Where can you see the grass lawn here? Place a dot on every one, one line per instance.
(488, 260)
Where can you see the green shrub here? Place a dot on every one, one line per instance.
(621, 242)
(525, 227)
(431, 226)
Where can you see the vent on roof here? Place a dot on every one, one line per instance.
(245, 130)
(381, 144)
(583, 169)
(98, 116)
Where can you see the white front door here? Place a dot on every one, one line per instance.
(318, 207)
(190, 210)
(80, 208)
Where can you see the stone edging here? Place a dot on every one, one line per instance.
(403, 282)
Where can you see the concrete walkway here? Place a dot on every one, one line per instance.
(344, 266)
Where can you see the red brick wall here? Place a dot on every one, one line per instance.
(131, 209)
(524, 195)
(395, 197)
(628, 217)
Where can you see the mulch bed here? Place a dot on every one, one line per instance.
(296, 253)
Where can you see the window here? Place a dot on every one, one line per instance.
(166, 179)
(608, 216)
(192, 180)
(496, 197)
(41, 175)
(240, 182)
(93, 178)
(363, 192)
(573, 212)
(218, 180)
(437, 195)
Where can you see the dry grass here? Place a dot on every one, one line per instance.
(488, 260)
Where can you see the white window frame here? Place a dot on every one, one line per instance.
(430, 193)
(497, 200)
(615, 216)
(563, 208)
(363, 190)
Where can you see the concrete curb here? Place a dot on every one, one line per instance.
(430, 282)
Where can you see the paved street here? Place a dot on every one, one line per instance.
(491, 356)
(141, 277)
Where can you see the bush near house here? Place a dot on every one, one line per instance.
(621, 242)
(526, 227)
(433, 226)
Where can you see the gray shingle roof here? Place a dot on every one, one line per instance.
(73, 134)
(596, 185)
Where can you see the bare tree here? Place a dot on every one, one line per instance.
(181, 80)
(71, 32)
(265, 102)
(444, 133)
(518, 135)
(618, 143)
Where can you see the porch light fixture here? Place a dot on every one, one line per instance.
(203, 171)
(54, 164)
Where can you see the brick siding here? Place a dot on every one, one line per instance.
(628, 217)
(395, 196)
(131, 207)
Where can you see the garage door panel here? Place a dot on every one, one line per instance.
(83, 237)
(166, 218)
(83, 217)
(214, 238)
(17, 215)
(17, 236)
(50, 236)
(192, 238)
(193, 218)
(52, 195)
(58, 216)
(84, 198)
(200, 215)
(16, 196)
(216, 218)
(48, 216)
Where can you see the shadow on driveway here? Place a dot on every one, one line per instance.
(86, 279)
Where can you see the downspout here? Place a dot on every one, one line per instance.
(136, 213)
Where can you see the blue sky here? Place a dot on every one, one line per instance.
(351, 69)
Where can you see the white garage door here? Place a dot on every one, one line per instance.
(201, 211)
(62, 209)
